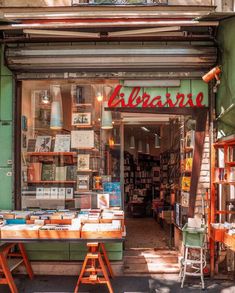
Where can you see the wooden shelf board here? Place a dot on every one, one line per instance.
(230, 163)
(52, 182)
(88, 171)
(52, 153)
(82, 126)
(82, 105)
(224, 182)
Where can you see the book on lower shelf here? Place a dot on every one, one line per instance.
(71, 173)
(60, 173)
(48, 172)
(83, 182)
(34, 171)
(185, 186)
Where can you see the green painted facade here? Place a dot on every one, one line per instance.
(6, 135)
(225, 98)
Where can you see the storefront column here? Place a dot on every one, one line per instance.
(6, 137)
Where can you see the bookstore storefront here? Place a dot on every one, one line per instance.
(110, 139)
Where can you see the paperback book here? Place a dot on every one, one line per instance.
(62, 143)
(48, 172)
(60, 173)
(83, 182)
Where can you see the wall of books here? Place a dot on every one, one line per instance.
(70, 146)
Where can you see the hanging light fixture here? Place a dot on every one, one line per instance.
(45, 97)
(140, 146)
(157, 141)
(132, 142)
(99, 94)
(56, 108)
(147, 149)
(106, 121)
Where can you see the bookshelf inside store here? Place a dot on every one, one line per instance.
(65, 152)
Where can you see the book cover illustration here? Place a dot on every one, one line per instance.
(185, 199)
(61, 192)
(34, 171)
(31, 145)
(39, 192)
(43, 144)
(83, 162)
(114, 190)
(69, 193)
(62, 143)
(82, 139)
(71, 173)
(188, 164)
(186, 183)
(190, 139)
(81, 119)
(83, 182)
(54, 192)
(60, 173)
(84, 201)
(48, 172)
(46, 193)
(102, 200)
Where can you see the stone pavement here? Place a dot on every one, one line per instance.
(167, 284)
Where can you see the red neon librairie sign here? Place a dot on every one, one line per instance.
(139, 98)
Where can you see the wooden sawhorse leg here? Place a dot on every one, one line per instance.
(8, 280)
(106, 259)
(5, 253)
(94, 265)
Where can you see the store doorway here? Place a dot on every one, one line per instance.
(151, 178)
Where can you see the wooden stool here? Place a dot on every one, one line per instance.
(94, 264)
(8, 263)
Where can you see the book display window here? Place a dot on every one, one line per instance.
(70, 150)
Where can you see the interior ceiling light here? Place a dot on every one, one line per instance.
(145, 129)
(61, 33)
(144, 31)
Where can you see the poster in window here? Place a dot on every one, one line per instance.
(81, 119)
(62, 143)
(82, 139)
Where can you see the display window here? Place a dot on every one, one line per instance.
(70, 145)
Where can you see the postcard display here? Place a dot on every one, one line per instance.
(63, 166)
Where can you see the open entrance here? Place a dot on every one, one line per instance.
(155, 161)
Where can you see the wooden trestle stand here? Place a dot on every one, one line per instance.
(10, 261)
(93, 265)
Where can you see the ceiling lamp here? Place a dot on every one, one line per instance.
(45, 98)
(132, 142)
(147, 149)
(106, 121)
(140, 146)
(157, 141)
(56, 122)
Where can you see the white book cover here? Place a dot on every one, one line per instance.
(47, 193)
(61, 193)
(60, 173)
(54, 192)
(43, 144)
(69, 193)
(62, 143)
(82, 139)
(39, 193)
(81, 119)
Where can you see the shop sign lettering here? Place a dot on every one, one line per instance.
(141, 98)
